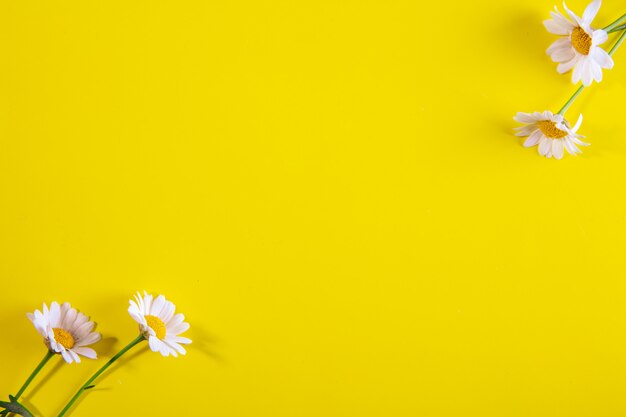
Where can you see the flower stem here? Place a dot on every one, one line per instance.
(49, 354)
(617, 29)
(571, 100)
(99, 372)
(613, 25)
(619, 42)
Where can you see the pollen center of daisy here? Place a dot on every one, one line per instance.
(63, 337)
(157, 325)
(549, 129)
(581, 41)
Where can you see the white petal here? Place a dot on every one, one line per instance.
(562, 20)
(164, 349)
(578, 123)
(563, 67)
(154, 343)
(176, 320)
(74, 356)
(69, 319)
(557, 148)
(67, 356)
(91, 338)
(84, 329)
(587, 75)
(80, 319)
(547, 115)
(55, 314)
(602, 57)
(524, 118)
(591, 11)
(176, 347)
(577, 73)
(563, 54)
(86, 352)
(181, 328)
(599, 37)
(557, 27)
(157, 306)
(571, 148)
(182, 340)
(533, 139)
(40, 325)
(525, 130)
(147, 302)
(544, 146)
(563, 43)
(579, 142)
(168, 312)
(172, 349)
(573, 16)
(138, 318)
(596, 71)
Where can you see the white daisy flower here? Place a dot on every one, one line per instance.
(579, 48)
(551, 132)
(66, 331)
(158, 324)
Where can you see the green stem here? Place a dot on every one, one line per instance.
(615, 24)
(14, 407)
(617, 29)
(619, 42)
(571, 100)
(49, 354)
(88, 385)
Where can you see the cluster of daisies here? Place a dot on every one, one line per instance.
(577, 50)
(69, 333)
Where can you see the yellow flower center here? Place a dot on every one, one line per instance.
(157, 325)
(581, 41)
(549, 129)
(63, 337)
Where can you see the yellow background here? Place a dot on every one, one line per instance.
(332, 194)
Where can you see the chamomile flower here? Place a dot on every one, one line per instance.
(579, 49)
(158, 324)
(551, 132)
(65, 331)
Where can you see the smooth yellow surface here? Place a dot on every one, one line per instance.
(330, 191)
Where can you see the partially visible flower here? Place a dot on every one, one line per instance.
(159, 324)
(65, 331)
(551, 132)
(579, 48)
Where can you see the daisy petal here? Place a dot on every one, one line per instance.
(533, 139)
(544, 146)
(154, 343)
(591, 11)
(573, 16)
(571, 148)
(557, 148)
(525, 118)
(599, 37)
(602, 58)
(578, 123)
(86, 352)
(564, 67)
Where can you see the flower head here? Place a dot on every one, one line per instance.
(65, 331)
(159, 324)
(578, 49)
(551, 132)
